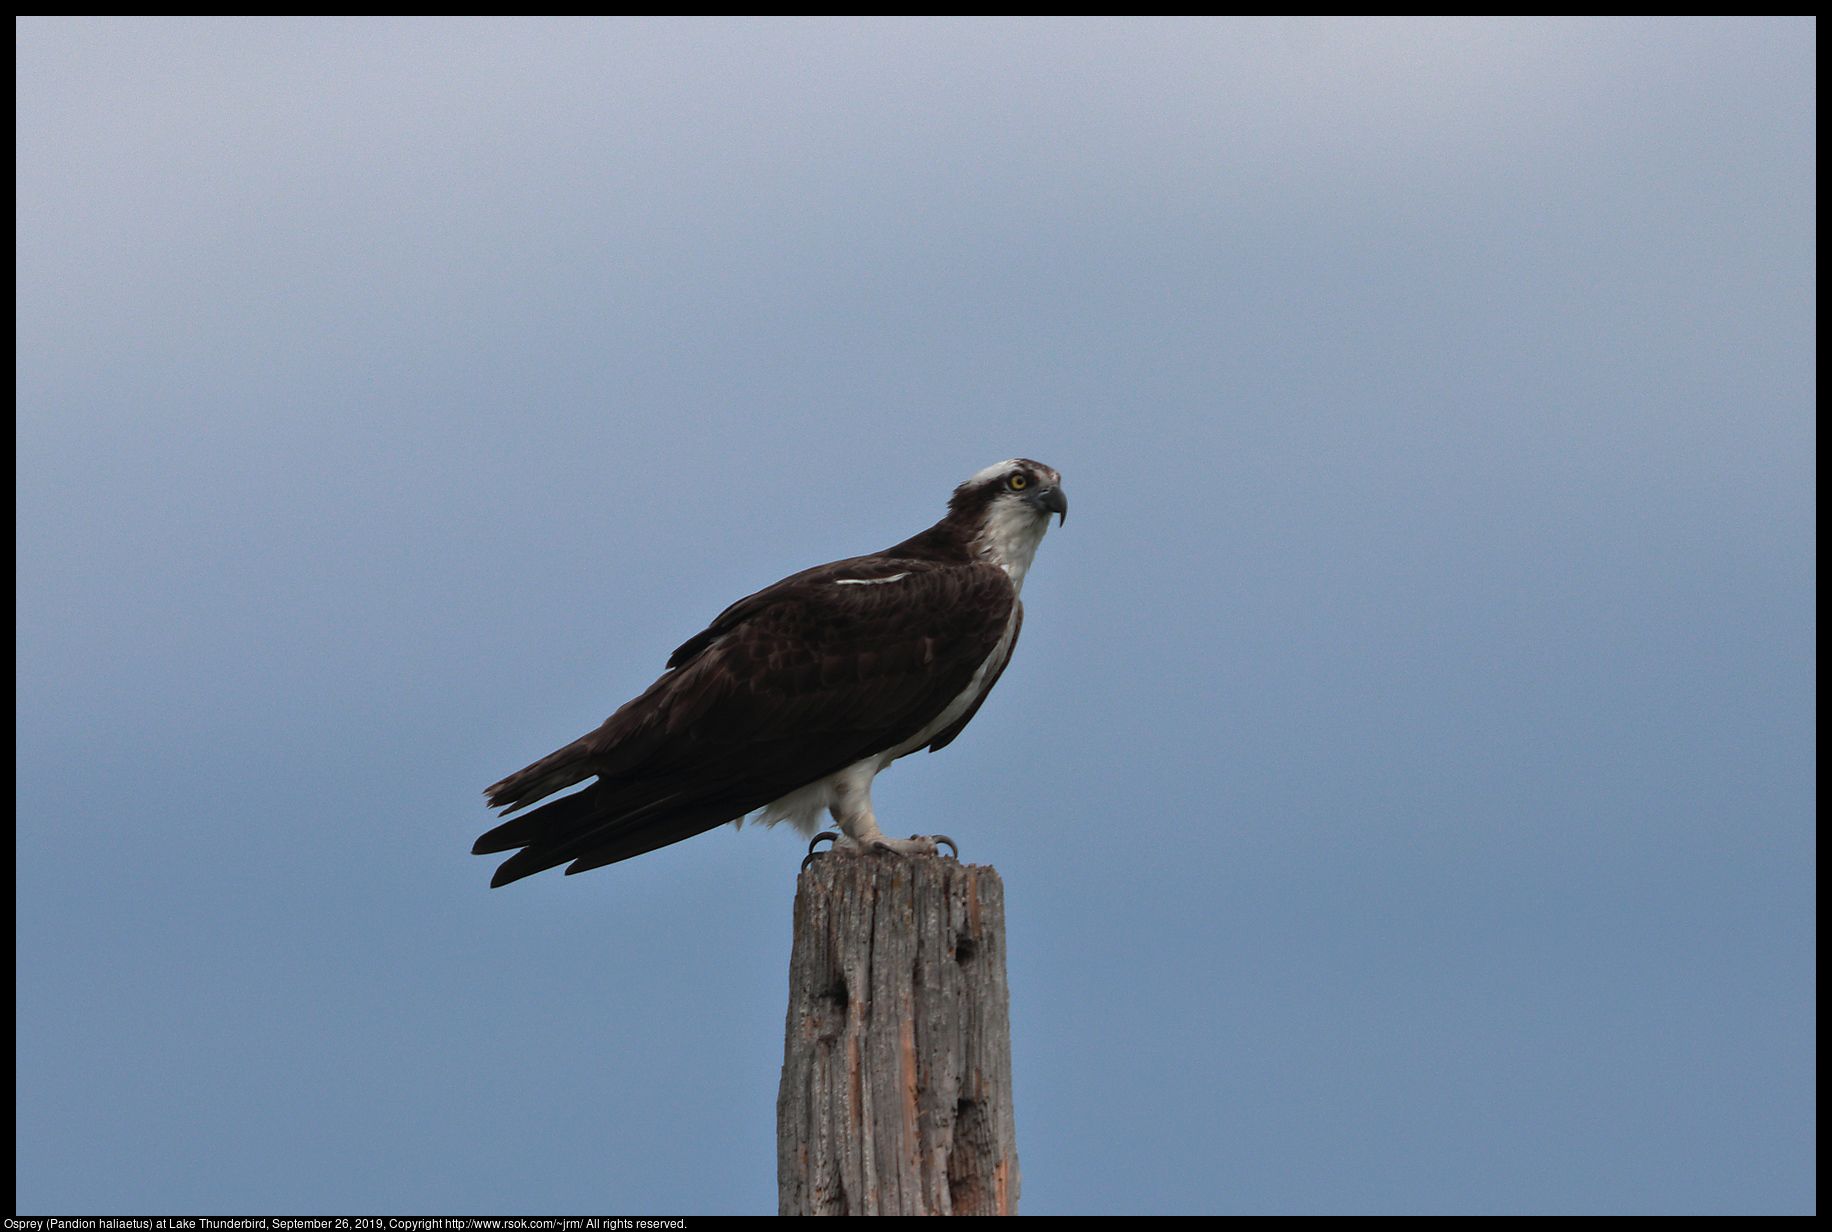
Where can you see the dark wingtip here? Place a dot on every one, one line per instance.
(507, 872)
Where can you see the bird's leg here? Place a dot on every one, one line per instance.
(852, 810)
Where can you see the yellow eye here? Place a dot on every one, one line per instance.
(1018, 483)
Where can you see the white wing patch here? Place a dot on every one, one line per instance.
(895, 577)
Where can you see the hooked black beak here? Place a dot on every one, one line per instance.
(1053, 501)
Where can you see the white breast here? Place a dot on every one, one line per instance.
(1010, 537)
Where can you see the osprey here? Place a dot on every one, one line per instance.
(794, 698)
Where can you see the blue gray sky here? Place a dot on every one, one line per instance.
(1403, 788)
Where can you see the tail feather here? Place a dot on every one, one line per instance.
(590, 832)
(623, 745)
(562, 816)
(660, 833)
(555, 772)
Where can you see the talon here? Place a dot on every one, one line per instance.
(884, 849)
(933, 843)
(814, 855)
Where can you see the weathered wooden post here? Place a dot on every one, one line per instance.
(896, 1072)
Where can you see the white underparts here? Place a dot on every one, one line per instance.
(845, 794)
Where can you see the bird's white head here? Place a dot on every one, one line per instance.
(1008, 506)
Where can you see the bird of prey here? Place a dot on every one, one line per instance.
(794, 698)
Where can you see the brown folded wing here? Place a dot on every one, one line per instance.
(785, 687)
